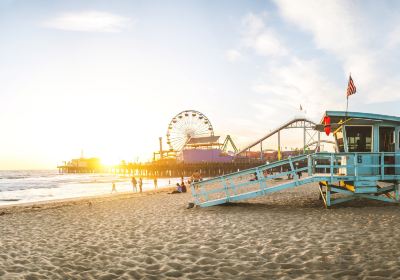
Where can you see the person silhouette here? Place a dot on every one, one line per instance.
(113, 188)
(140, 184)
(134, 184)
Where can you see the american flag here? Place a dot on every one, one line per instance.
(351, 88)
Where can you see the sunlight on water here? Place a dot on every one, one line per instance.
(30, 186)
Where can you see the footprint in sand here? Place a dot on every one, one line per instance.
(228, 270)
(173, 273)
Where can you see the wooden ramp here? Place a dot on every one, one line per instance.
(353, 175)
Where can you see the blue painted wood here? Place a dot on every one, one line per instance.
(397, 148)
(328, 196)
(343, 199)
(375, 141)
(248, 195)
(366, 190)
(355, 167)
(261, 179)
(225, 188)
(386, 189)
(361, 115)
(364, 183)
(341, 190)
(374, 197)
(233, 187)
(194, 194)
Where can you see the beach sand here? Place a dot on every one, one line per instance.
(287, 235)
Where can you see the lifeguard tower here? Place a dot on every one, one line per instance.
(366, 165)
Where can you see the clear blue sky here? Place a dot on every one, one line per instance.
(107, 76)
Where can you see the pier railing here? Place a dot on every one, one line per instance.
(166, 169)
(296, 171)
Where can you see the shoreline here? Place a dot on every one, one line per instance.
(64, 202)
(38, 188)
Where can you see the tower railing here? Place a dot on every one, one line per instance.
(296, 171)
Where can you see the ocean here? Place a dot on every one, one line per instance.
(26, 186)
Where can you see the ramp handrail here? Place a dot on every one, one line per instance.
(288, 173)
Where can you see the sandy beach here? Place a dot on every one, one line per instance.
(287, 235)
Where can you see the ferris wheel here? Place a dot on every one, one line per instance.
(185, 125)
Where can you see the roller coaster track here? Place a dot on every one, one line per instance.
(320, 141)
(298, 122)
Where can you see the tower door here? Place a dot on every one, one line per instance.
(387, 144)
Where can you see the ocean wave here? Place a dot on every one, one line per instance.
(46, 179)
(26, 174)
(31, 186)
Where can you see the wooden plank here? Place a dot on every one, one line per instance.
(227, 184)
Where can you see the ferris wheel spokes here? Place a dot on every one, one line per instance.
(185, 125)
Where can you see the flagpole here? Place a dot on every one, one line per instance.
(347, 98)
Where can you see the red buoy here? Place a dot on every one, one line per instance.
(327, 125)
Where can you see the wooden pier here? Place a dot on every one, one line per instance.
(164, 169)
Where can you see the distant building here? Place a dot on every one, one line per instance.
(91, 163)
(81, 165)
(204, 149)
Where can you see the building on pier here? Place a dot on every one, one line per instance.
(204, 149)
(81, 165)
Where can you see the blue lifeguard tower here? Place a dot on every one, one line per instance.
(366, 164)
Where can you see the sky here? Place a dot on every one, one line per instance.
(107, 77)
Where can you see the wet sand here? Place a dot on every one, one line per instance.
(286, 235)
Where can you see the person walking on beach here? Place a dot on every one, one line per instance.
(113, 188)
(155, 183)
(140, 184)
(134, 183)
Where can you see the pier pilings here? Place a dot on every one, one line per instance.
(166, 170)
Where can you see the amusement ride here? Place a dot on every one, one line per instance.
(185, 126)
